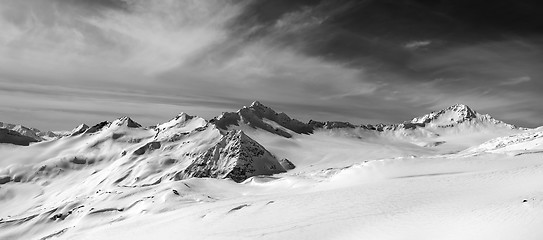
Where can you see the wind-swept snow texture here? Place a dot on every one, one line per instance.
(258, 174)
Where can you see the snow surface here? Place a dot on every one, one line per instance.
(472, 178)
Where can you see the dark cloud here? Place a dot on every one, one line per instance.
(375, 33)
(103, 4)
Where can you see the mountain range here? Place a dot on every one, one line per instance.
(190, 146)
(122, 167)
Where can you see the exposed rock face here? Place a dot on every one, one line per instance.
(79, 130)
(236, 156)
(147, 148)
(34, 133)
(226, 119)
(330, 124)
(13, 137)
(98, 127)
(287, 164)
(256, 116)
(126, 121)
(131, 124)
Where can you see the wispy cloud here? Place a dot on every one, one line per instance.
(417, 44)
(82, 61)
(168, 52)
(515, 81)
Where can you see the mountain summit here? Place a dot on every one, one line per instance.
(260, 116)
(454, 115)
(457, 113)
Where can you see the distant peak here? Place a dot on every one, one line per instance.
(183, 117)
(260, 116)
(81, 126)
(257, 104)
(461, 108)
(98, 127)
(128, 121)
(79, 129)
(454, 114)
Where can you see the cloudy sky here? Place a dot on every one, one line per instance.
(65, 62)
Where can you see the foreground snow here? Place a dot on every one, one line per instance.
(448, 197)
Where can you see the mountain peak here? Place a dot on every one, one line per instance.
(235, 156)
(79, 129)
(126, 121)
(182, 123)
(182, 117)
(463, 109)
(455, 114)
(260, 108)
(257, 104)
(260, 116)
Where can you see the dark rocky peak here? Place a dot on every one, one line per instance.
(117, 123)
(98, 127)
(235, 156)
(182, 117)
(258, 115)
(14, 137)
(126, 121)
(79, 130)
(25, 131)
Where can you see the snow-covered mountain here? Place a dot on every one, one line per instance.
(33, 133)
(14, 137)
(131, 155)
(527, 141)
(233, 176)
(458, 114)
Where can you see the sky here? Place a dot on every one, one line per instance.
(66, 62)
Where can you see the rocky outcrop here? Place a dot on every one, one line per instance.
(237, 157)
(79, 130)
(132, 124)
(330, 124)
(13, 137)
(287, 164)
(98, 127)
(149, 147)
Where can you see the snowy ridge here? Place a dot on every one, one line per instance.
(455, 115)
(78, 130)
(523, 141)
(34, 133)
